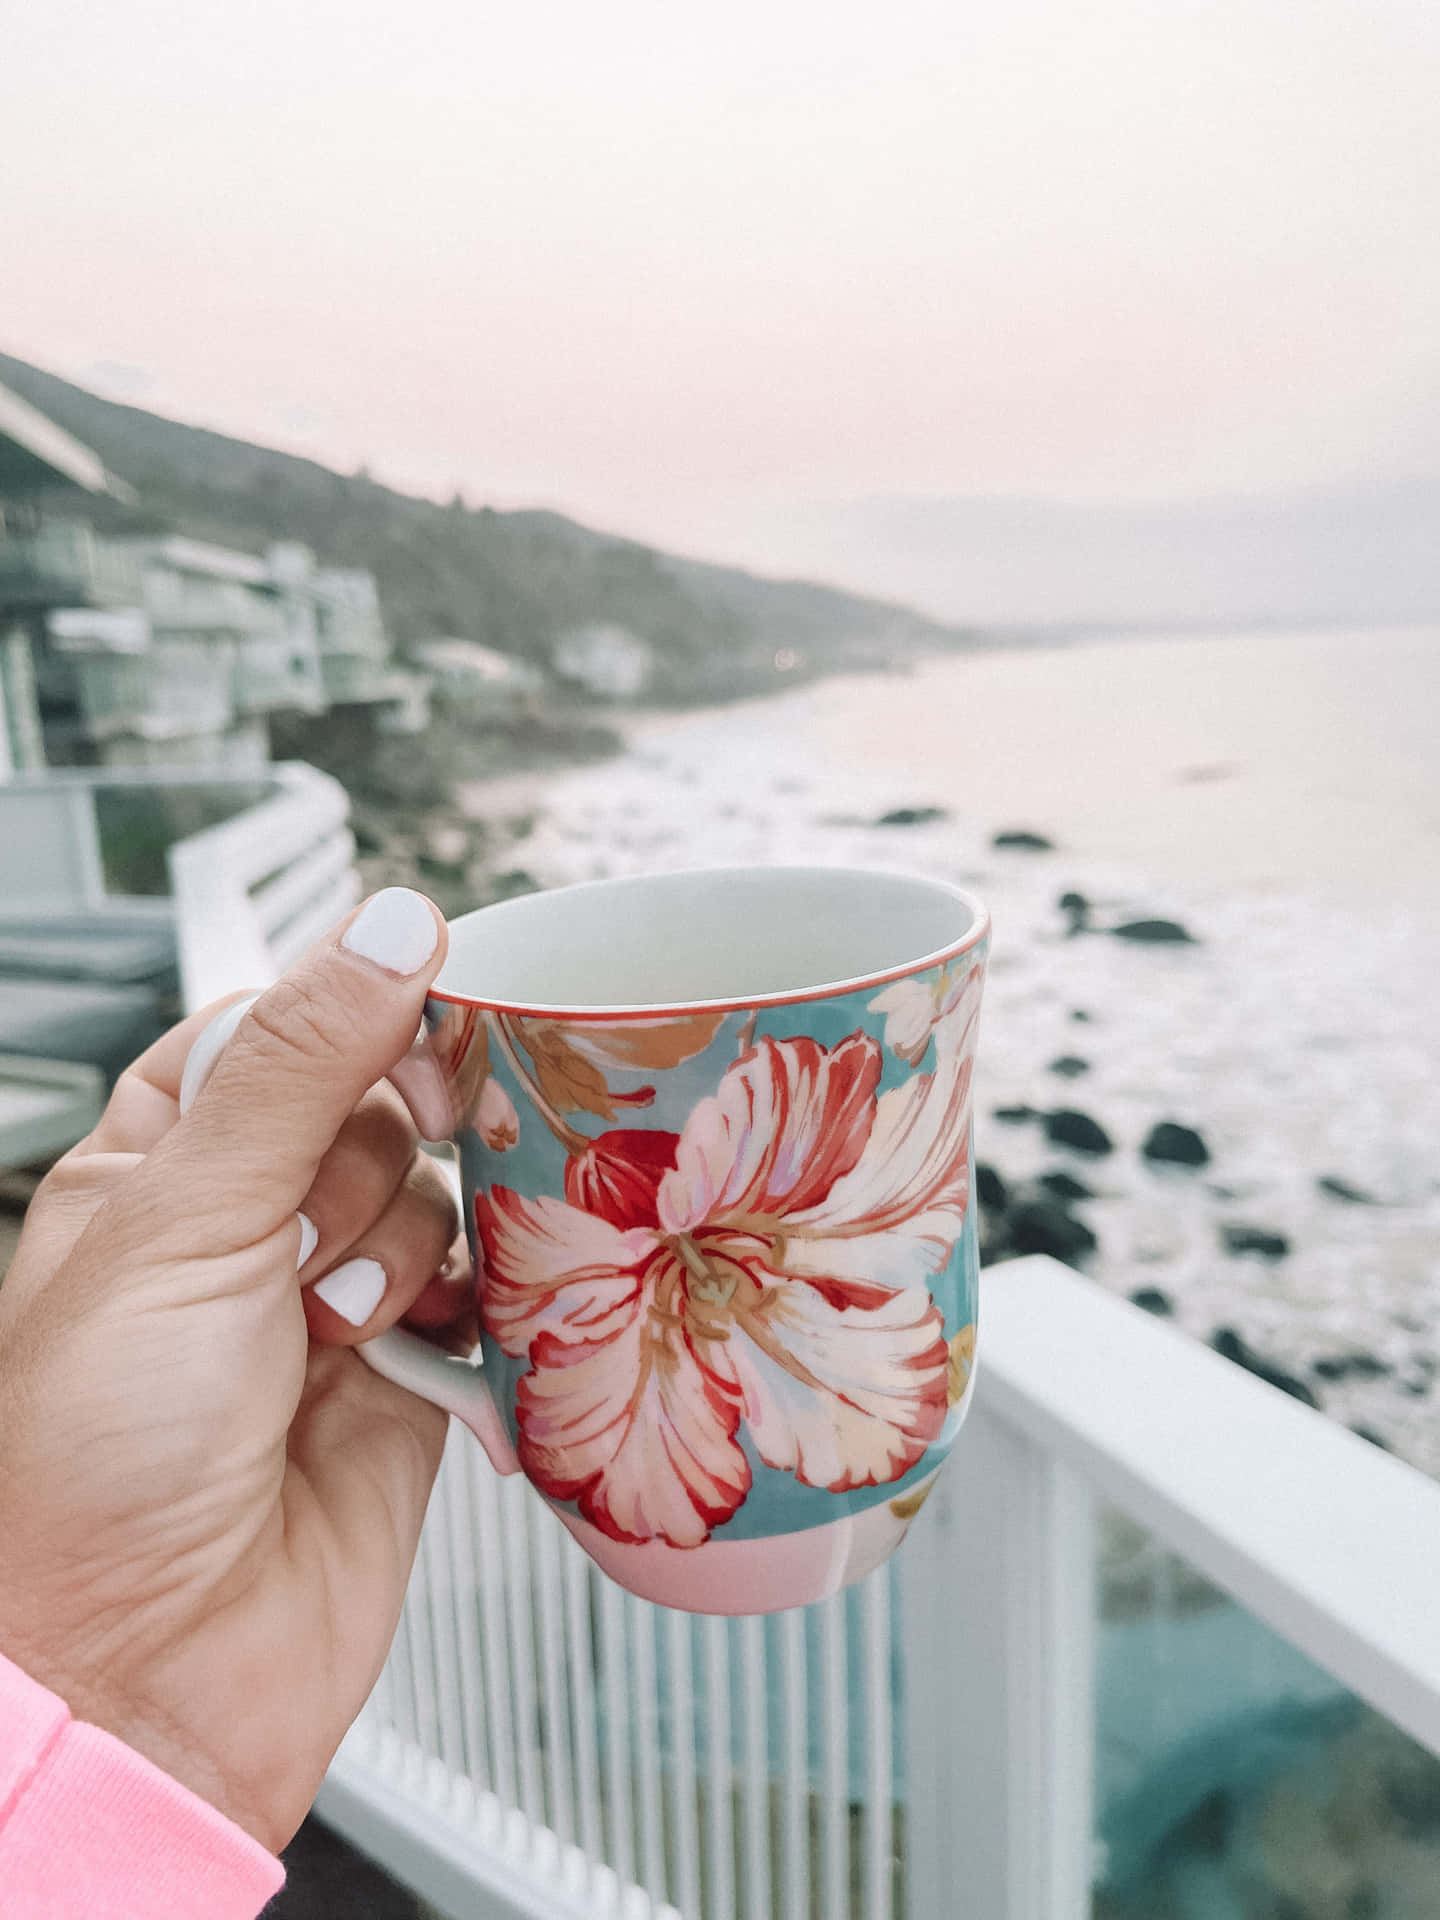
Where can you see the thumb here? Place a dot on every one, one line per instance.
(300, 1059)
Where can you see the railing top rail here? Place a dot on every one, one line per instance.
(278, 775)
(1332, 1541)
(221, 929)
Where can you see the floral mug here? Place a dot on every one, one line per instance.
(714, 1139)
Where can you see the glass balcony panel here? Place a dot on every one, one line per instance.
(1234, 1779)
(137, 824)
(65, 564)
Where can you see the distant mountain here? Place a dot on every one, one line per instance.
(1358, 554)
(515, 580)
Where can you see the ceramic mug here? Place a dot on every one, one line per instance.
(715, 1148)
(714, 1139)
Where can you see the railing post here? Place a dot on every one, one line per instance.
(24, 748)
(997, 1595)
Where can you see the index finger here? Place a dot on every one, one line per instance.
(146, 1101)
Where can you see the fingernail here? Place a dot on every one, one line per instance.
(394, 930)
(354, 1290)
(309, 1239)
(208, 1048)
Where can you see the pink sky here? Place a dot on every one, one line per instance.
(671, 273)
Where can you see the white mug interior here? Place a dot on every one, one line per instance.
(722, 936)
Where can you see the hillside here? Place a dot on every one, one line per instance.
(514, 580)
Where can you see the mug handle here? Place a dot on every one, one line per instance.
(446, 1379)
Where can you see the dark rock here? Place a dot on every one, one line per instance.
(1016, 1116)
(1369, 1433)
(1076, 909)
(1273, 1246)
(1069, 1066)
(1178, 1146)
(1042, 1226)
(1079, 1014)
(1228, 1344)
(1155, 933)
(1339, 1189)
(1152, 1300)
(994, 1240)
(1351, 1366)
(1369, 1366)
(990, 1187)
(1065, 1186)
(432, 869)
(1018, 840)
(912, 817)
(368, 840)
(1206, 1830)
(1411, 1785)
(1067, 1128)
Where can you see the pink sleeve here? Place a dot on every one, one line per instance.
(90, 1831)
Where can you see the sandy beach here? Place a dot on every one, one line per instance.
(1274, 794)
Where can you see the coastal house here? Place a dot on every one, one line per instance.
(477, 681)
(45, 562)
(149, 854)
(217, 641)
(605, 660)
(165, 651)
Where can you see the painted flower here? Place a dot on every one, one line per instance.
(914, 1009)
(961, 1367)
(496, 1120)
(571, 1061)
(477, 1099)
(767, 1265)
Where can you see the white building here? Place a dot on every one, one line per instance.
(477, 680)
(606, 660)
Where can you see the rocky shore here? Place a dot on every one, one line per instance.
(1222, 1104)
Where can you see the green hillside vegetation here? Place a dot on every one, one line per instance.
(517, 581)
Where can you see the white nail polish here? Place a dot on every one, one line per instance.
(354, 1290)
(394, 930)
(309, 1239)
(207, 1049)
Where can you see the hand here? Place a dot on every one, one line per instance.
(208, 1505)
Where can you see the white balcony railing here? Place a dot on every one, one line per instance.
(269, 870)
(253, 892)
(541, 1744)
(175, 688)
(64, 563)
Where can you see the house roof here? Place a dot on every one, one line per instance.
(36, 455)
(184, 555)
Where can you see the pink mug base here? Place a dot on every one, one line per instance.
(755, 1576)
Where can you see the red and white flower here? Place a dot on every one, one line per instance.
(947, 1006)
(770, 1264)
